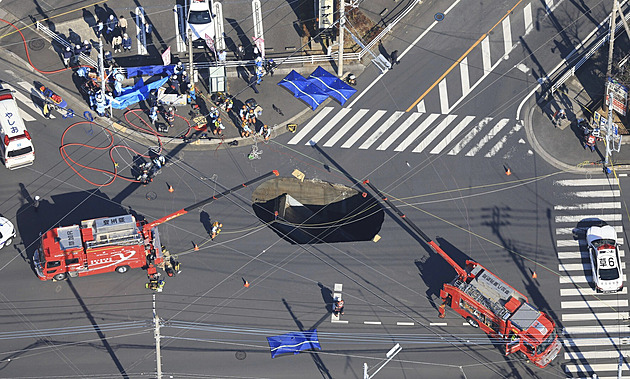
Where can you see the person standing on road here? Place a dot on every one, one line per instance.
(191, 94)
(175, 83)
(112, 24)
(67, 55)
(183, 85)
(240, 53)
(126, 42)
(222, 57)
(252, 83)
(98, 29)
(338, 307)
(123, 24)
(117, 44)
(216, 229)
(393, 58)
(87, 48)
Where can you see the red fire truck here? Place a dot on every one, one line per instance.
(489, 303)
(109, 244)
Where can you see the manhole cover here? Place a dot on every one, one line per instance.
(439, 16)
(240, 355)
(151, 195)
(36, 44)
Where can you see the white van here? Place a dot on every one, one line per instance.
(15, 141)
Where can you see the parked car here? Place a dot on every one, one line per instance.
(603, 252)
(7, 232)
(200, 21)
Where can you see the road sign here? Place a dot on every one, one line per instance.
(620, 98)
(166, 56)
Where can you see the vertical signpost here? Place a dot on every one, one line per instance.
(219, 33)
(342, 23)
(259, 38)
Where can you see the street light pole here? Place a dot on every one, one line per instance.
(390, 355)
(342, 23)
(158, 355)
(191, 72)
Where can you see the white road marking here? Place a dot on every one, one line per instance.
(588, 291)
(329, 125)
(601, 205)
(443, 91)
(399, 131)
(471, 134)
(609, 330)
(593, 367)
(439, 324)
(576, 243)
(605, 193)
(580, 254)
(312, 124)
(416, 133)
(463, 71)
(344, 129)
(485, 55)
(451, 135)
(581, 266)
(420, 107)
(574, 278)
(381, 130)
(583, 342)
(610, 354)
(372, 322)
(586, 182)
(23, 99)
(403, 323)
(527, 16)
(507, 35)
(363, 129)
(499, 145)
(614, 304)
(595, 316)
(493, 132)
(435, 133)
(578, 218)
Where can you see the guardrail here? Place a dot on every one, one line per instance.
(60, 40)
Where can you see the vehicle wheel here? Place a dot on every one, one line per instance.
(59, 277)
(7, 242)
(122, 269)
(472, 322)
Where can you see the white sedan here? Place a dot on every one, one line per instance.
(604, 255)
(7, 232)
(200, 20)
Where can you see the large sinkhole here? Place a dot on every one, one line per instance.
(314, 211)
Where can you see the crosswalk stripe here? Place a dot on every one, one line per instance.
(593, 367)
(416, 132)
(576, 243)
(595, 316)
(603, 329)
(493, 132)
(580, 254)
(399, 131)
(613, 303)
(499, 145)
(588, 291)
(434, 133)
(485, 55)
(381, 130)
(363, 129)
(586, 342)
(452, 134)
(604, 193)
(580, 266)
(576, 230)
(308, 127)
(471, 134)
(28, 87)
(421, 108)
(23, 100)
(610, 354)
(574, 278)
(586, 182)
(443, 90)
(507, 34)
(600, 205)
(578, 218)
(329, 125)
(463, 70)
(527, 16)
(347, 126)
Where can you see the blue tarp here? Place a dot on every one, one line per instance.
(293, 342)
(331, 85)
(135, 94)
(150, 70)
(303, 89)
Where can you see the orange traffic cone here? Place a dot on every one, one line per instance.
(534, 275)
(245, 283)
(196, 247)
(508, 172)
(170, 188)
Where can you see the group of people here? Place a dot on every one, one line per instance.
(247, 115)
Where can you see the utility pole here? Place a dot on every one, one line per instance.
(101, 65)
(158, 355)
(609, 123)
(342, 23)
(191, 71)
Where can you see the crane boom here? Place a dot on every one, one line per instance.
(206, 201)
(460, 271)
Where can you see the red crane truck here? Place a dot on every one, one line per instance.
(489, 303)
(109, 244)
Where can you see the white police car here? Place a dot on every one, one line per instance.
(199, 21)
(7, 232)
(604, 255)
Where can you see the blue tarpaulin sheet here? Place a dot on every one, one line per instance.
(293, 342)
(331, 85)
(135, 94)
(303, 89)
(150, 70)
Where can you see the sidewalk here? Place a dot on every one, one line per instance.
(561, 145)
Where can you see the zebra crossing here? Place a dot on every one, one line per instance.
(382, 130)
(596, 330)
(24, 92)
